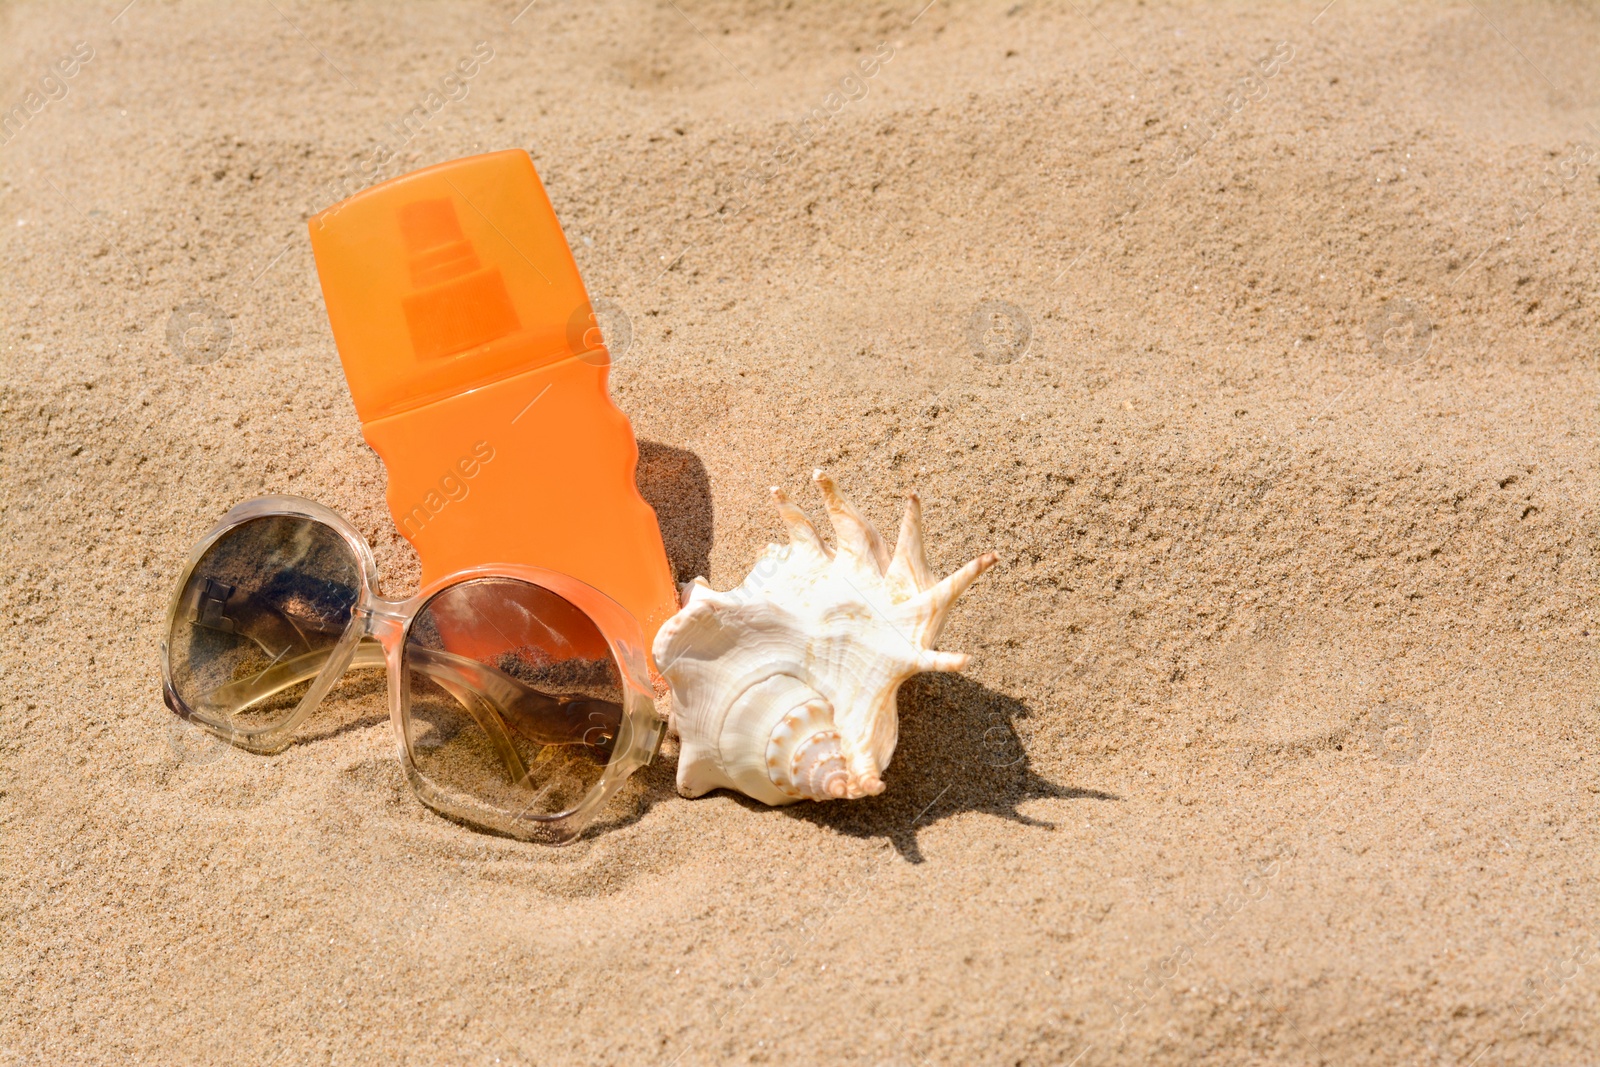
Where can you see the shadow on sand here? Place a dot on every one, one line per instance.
(674, 482)
(958, 752)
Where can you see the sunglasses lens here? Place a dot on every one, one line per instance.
(257, 619)
(515, 700)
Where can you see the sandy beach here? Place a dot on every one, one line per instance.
(1261, 343)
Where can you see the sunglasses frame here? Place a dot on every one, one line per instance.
(388, 623)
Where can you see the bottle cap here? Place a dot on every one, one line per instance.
(448, 279)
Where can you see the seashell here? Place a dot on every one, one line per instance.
(784, 688)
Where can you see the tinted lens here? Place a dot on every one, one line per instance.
(515, 701)
(257, 618)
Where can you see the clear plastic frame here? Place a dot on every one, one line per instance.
(520, 698)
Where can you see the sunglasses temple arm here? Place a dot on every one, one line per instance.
(454, 679)
(235, 697)
(484, 714)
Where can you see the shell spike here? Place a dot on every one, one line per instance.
(858, 538)
(865, 784)
(801, 532)
(937, 600)
(948, 662)
(908, 570)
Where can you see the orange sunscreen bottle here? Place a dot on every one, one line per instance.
(480, 379)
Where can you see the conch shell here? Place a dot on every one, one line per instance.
(784, 688)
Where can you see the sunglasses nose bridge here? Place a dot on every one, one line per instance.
(383, 620)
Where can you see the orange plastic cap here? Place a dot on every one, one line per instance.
(448, 279)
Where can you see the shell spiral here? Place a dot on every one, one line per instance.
(784, 687)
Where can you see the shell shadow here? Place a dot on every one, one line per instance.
(674, 482)
(958, 752)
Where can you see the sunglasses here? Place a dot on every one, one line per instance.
(520, 698)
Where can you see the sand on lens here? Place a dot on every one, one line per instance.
(1260, 343)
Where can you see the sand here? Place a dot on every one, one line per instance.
(1281, 739)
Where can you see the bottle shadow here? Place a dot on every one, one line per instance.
(958, 752)
(674, 482)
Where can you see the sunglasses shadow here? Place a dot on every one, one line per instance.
(674, 482)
